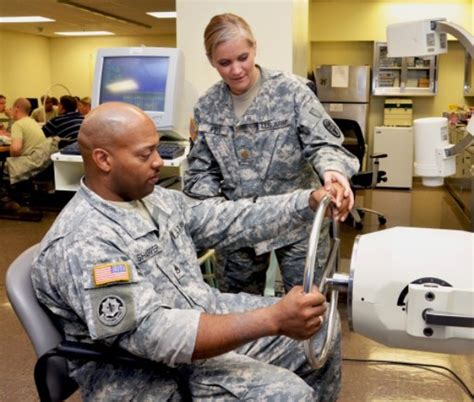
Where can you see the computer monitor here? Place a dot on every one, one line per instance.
(34, 104)
(147, 77)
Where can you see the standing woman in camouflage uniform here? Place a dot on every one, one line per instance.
(261, 132)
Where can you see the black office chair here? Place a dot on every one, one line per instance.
(364, 179)
(51, 371)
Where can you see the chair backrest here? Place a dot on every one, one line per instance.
(353, 137)
(39, 326)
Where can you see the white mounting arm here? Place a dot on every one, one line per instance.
(425, 38)
(464, 37)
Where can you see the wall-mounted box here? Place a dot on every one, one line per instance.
(398, 112)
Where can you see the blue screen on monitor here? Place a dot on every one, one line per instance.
(138, 80)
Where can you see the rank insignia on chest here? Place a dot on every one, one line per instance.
(110, 273)
(176, 230)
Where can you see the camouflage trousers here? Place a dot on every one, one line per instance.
(269, 369)
(244, 271)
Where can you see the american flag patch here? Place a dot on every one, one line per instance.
(110, 273)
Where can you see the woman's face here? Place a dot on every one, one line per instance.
(235, 62)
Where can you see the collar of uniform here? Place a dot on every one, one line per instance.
(217, 103)
(259, 110)
(223, 113)
(119, 215)
(156, 205)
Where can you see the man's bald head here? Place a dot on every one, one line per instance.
(109, 125)
(23, 105)
(118, 144)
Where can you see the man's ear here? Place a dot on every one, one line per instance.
(102, 159)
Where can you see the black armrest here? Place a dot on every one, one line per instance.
(378, 156)
(100, 353)
(87, 351)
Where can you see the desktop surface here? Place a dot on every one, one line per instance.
(166, 150)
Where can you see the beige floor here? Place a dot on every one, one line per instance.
(422, 207)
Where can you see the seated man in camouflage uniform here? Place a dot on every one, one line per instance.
(119, 267)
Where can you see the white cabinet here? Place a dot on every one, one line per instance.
(409, 76)
(397, 143)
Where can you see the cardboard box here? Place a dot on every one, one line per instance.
(398, 112)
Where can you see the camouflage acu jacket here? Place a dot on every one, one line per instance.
(282, 142)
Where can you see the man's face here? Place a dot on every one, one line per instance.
(48, 105)
(16, 113)
(3, 105)
(135, 162)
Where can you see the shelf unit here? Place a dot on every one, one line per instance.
(403, 76)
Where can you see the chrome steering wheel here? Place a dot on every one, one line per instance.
(318, 360)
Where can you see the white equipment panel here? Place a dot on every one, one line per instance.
(397, 143)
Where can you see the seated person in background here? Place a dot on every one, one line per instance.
(67, 124)
(29, 149)
(84, 106)
(51, 110)
(5, 116)
(3, 104)
(119, 267)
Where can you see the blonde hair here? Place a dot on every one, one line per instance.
(223, 28)
(86, 100)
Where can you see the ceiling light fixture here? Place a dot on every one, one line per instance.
(103, 13)
(85, 33)
(163, 14)
(36, 18)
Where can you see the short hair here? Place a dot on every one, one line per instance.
(3, 97)
(223, 28)
(86, 100)
(68, 102)
(23, 104)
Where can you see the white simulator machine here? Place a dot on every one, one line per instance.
(408, 287)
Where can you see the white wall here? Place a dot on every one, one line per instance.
(273, 26)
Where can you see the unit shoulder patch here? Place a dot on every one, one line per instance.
(332, 128)
(111, 310)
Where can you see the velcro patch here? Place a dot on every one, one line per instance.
(111, 273)
(315, 112)
(332, 128)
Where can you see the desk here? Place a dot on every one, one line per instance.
(68, 170)
(4, 154)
